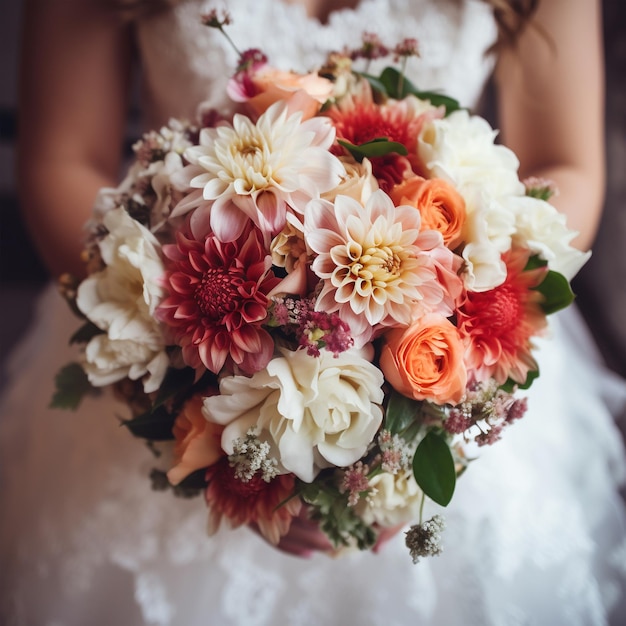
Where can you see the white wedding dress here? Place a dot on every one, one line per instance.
(536, 533)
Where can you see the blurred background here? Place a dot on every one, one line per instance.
(601, 287)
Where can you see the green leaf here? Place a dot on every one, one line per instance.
(153, 425)
(71, 385)
(556, 291)
(337, 520)
(438, 99)
(401, 412)
(375, 148)
(433, 468)
(85, 333)
(535, 262)
(510, 384)
(175, 380)
(398, 86)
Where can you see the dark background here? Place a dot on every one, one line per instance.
(601, 286)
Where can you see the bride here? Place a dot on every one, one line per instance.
(536, 532)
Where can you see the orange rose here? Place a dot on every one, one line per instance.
(303, 92)
(198, 441)
(425, 360)
(441, 206)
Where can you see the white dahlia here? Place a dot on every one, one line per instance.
(251, 171)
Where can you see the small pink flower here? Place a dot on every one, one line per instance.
(218, 301)
(355, 482)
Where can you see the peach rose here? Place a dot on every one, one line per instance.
(303, 92)
(441, 206)
(198, 442)
(425, 360)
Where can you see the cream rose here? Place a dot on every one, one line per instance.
(318, 411)
(358, 183)
(120, 300)
(394, 499)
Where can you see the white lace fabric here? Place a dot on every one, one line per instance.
(535, 534)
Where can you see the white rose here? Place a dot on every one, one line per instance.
(543, 229)
(109, 360)
(315, 411)
(460, 148)
(121, 300)
(395, 499)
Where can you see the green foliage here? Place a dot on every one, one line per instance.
(175, 381)
(542, 193)
(510, 384)
(71, 386)
(85, 333)
(190, 487)
(556, 291)
(155, 425)
(535, 262)
(394, 84)
(401, 413)
(378, 147)
(336, 519)
(433, 468)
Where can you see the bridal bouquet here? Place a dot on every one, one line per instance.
(325, 296)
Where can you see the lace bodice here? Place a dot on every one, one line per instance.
(186, 63)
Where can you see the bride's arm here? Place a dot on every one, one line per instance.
(73, 101)
(551, 102)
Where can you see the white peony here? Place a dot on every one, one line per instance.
(460, 148)
(121, 300)
(315, 411)
(543, 229)
(394, 499)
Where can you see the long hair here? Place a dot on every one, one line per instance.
(512, 16)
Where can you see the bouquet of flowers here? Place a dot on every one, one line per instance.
(325, 297)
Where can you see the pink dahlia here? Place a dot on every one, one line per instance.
(377, 268)
(359, 120)
(498, 325)
(218, 301)
(254, 501)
